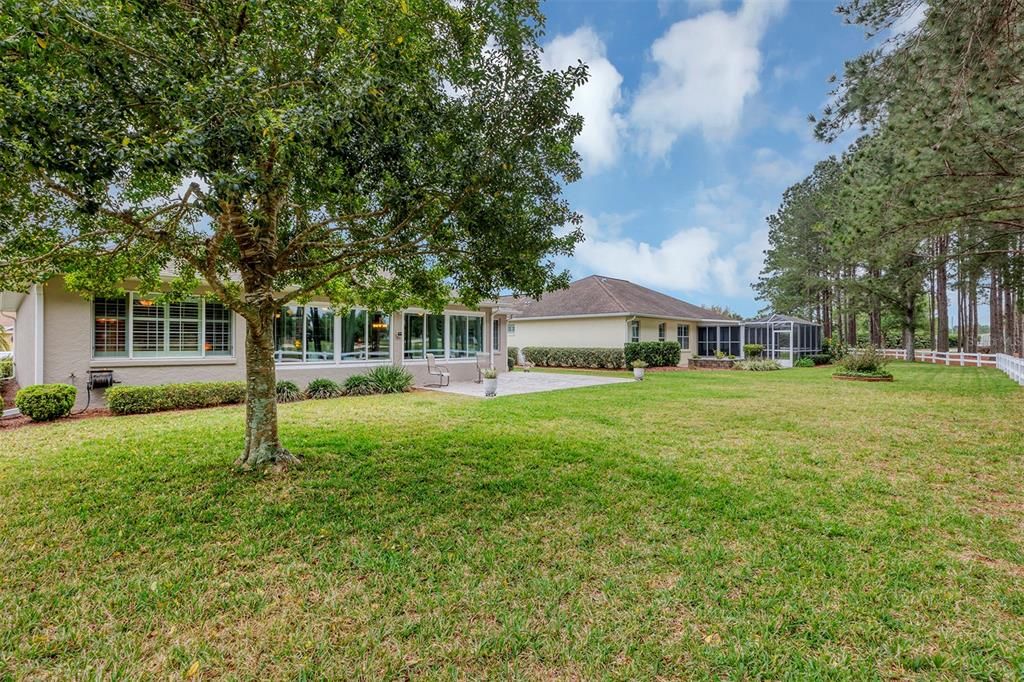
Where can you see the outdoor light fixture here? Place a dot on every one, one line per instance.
(145, 302)
(379, 325)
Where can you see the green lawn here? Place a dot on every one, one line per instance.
(698, 524)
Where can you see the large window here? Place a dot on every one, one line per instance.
(724, 339)
(465, 336)
(683, 336)
(110, 329)
(139, 326)
(495, 335)
(661, 331)
(423, 334)
(288, 327)
(319, 335)
(634, 331)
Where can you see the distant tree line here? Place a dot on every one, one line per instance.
(928, 203)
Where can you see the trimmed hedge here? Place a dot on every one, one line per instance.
(46, 402)
(143, 399)
(584, 358)
(654, 353)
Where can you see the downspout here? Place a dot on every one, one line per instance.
(38, 347)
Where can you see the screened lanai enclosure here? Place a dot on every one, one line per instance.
(785, 339)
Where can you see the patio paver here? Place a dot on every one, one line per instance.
(518, 383)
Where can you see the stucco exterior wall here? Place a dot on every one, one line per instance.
(581, 332)
(68, 351)
(595, 332)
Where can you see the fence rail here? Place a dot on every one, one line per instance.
(1012, 366)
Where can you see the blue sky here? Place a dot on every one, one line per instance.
(695, 122)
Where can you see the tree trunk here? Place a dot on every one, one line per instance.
(942, 300)
(262, 444)
(909, 325)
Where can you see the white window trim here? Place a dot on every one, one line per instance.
(447, 335)
(338, 361)
(155, 360)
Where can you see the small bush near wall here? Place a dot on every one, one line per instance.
(820, 358)
(47, 402)
(513, 357)
(319, 389)
(654, 353)
(753, 350)
(288, 392)
(390, 379)
(359, 384)
(143, 399)
(6, 368)
(806, 361)
(584, 358)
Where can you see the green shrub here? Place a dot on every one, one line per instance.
(638, 364)
(513, 357)
(6, 368)
(753, 350)
(319, 389)
(654, 353)
(585, 358)
(390, 379)
(359, 384)
(821, 358)
(758, 365)
(288, 392)
(863, 361)
(806, 361)
(143, 399)
(46, 402)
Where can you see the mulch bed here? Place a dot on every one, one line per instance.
(21, 420)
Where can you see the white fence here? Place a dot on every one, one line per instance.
(1012, 366)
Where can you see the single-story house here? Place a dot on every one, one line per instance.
(605, 312)
(61, 334)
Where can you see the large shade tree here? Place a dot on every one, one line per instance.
(380, 152)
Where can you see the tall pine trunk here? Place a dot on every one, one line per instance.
(262, 443)
(942, 299)
(909, 324)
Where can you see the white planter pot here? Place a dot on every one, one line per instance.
(490, 387)
(638, 373)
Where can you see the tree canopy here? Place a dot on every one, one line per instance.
(935, 185)
(379, 152)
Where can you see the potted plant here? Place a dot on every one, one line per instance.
(490, 382)
(638, 369)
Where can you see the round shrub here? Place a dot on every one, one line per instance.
(46, 402)
(288, 392)
(805, 361)
(390, 379)
(359, 384)
(324, 388)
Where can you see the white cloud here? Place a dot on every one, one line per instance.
(706, 68)
(693, 260)
(600, 141)
(774, 169)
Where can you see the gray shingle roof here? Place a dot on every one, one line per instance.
(598, 295)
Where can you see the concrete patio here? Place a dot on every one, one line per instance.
(518, 383)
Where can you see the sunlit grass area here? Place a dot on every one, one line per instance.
(697, 524)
